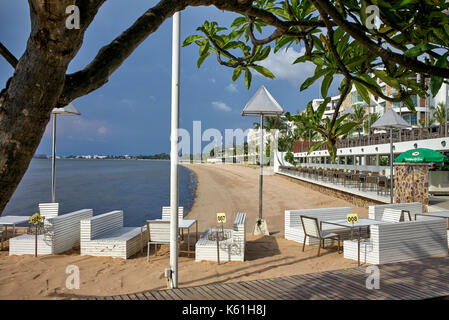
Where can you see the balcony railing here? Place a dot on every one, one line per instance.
(379, 138)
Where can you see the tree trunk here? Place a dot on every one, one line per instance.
(33, 91)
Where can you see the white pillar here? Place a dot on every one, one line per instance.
(53, 163)
(174, 151)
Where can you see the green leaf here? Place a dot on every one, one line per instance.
(237, 73)
(419, 49)
(263, 71)
(248, 78)
(316, 146)
(437, 82)
(191, 39)
(409, 103)
(361, 89)
(202, 58)
(326, 84)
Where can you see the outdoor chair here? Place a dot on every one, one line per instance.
(312, 230)
(158, 232)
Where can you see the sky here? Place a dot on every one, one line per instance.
(131, 113)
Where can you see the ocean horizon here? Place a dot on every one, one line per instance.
(138, 187)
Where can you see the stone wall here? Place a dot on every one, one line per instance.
(351, 198)
(411, 184)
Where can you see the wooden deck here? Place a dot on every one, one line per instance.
(415, 280)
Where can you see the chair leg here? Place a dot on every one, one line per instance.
(304, 243)
(319, 248)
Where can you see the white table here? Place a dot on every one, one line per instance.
(363, 223)
(11, 221)
(187, 224)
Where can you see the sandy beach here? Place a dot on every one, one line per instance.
(221, 188)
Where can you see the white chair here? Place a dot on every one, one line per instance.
(158, 232)
(49, 210)
(396, 215)
(376, 212)
(231, 249)
(166, 214)
(293, 225)
(311, 229)
(105, 235)
(395, 242)
(62, 233)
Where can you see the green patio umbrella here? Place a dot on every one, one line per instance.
(421, 155)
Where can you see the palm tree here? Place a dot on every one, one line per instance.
(358, 117)
(372, 118)
(439, 114)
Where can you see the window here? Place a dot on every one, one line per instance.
(355, 97)
(410, 118)
(414, 99)
(396, 105)
(384, 89)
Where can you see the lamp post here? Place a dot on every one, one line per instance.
(174, 152)
(262, 104)
(391, 120)
(68, 110)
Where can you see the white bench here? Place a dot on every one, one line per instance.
(231, 249)
(395, 242)
(62, 233)
(377, 212)
(166, 213)
(104, 235)
(49, 210)
(294, 229)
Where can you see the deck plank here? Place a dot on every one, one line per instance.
(416, 280)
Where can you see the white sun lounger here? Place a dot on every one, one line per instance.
(232, 249)
(105, 235)
(62, 234)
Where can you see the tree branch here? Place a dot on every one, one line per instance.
(358, 35)
(8, 56)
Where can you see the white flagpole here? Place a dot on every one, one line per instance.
(174, 152)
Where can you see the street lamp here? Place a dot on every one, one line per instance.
(391, 120)
(262, 104)
(68, 110)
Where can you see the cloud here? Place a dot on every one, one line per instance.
(221, 106)
(232, 88)
(78, 127)
(102, 130)
(127, 102)
(280, 63)
(212, 80)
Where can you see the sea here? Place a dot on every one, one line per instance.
(138, 187)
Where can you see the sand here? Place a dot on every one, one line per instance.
(221, 188)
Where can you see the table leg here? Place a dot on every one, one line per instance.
(358, 247)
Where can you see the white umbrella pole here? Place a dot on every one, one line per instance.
(391, 165)
(53, 163)
(261, 166)
(174, 153)
(445, 113)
